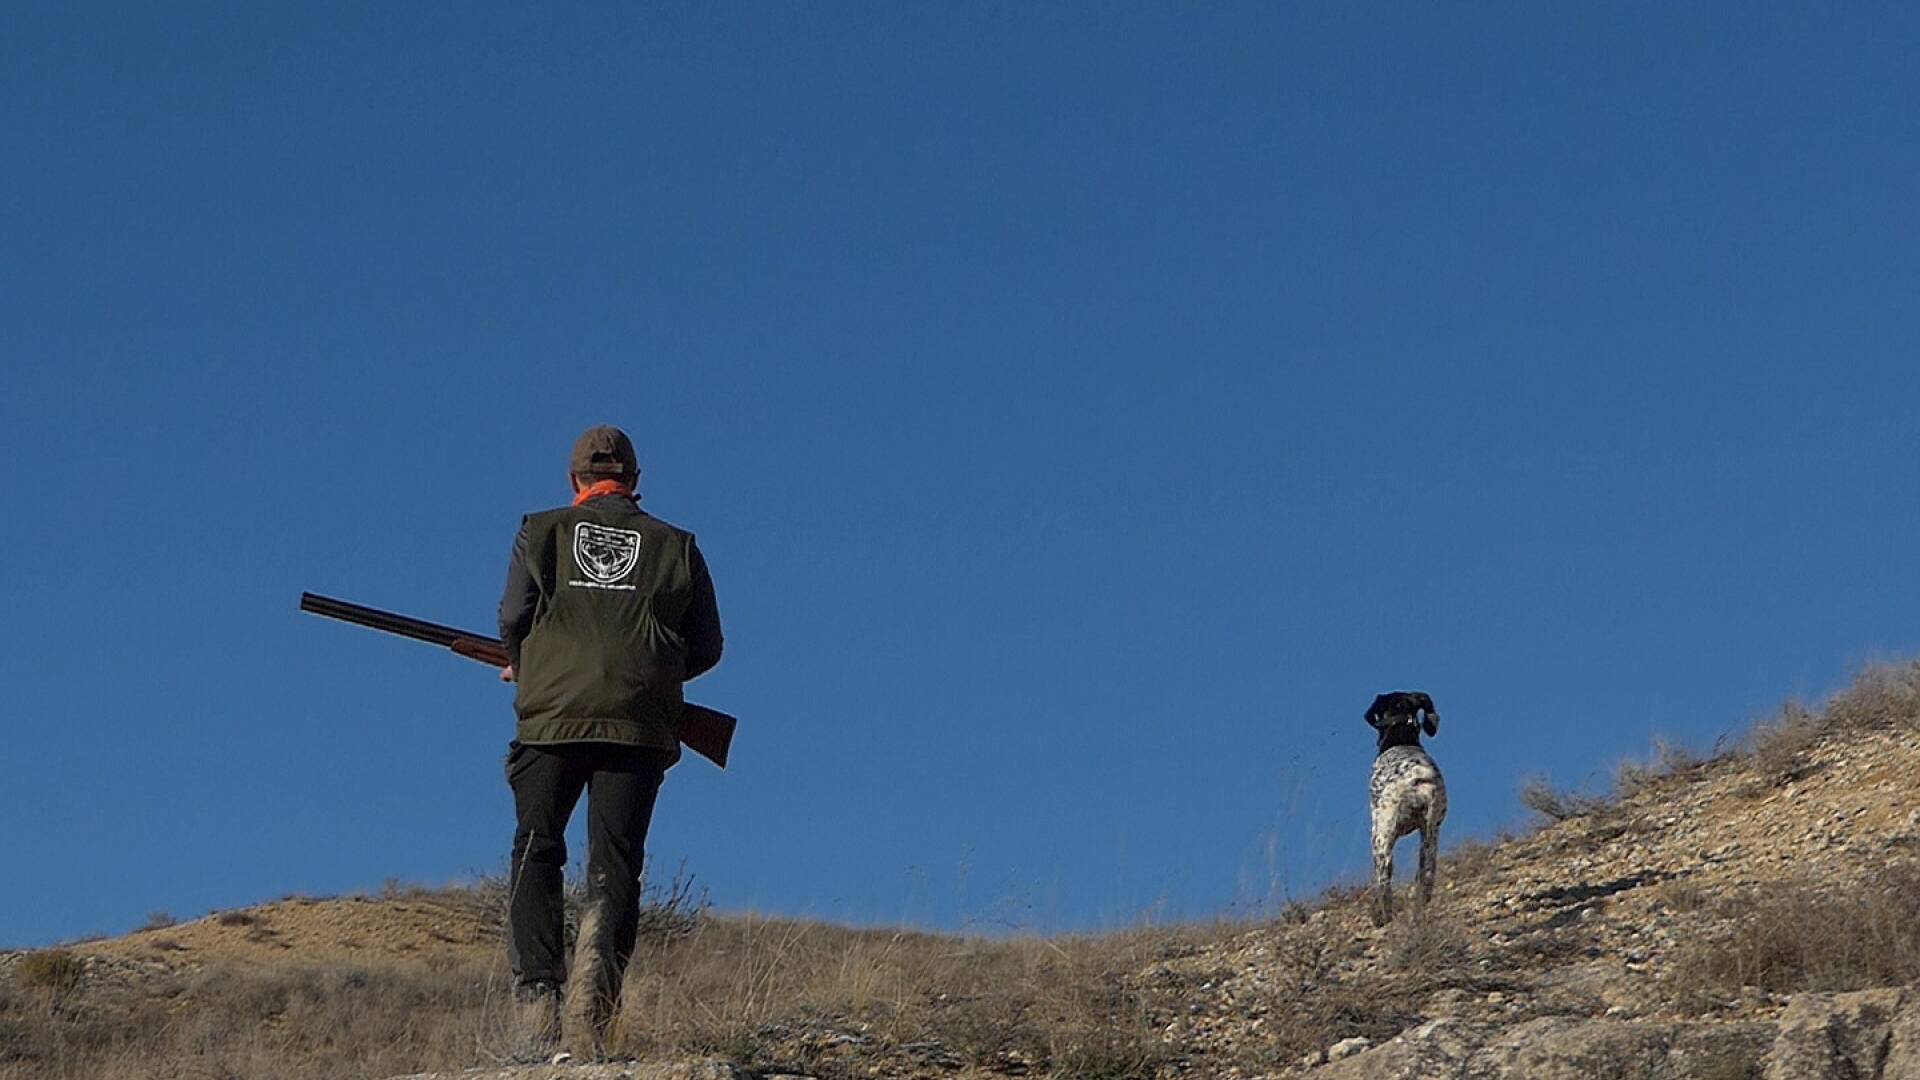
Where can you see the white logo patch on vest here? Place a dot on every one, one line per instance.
(605, 555)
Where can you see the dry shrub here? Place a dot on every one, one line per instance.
(1108, 1053)
(1342, 894)
(1470, 860)
(1668, 761)
(1684, 895)
(1777, 746)
(1881, 696)
(55, 971)
(1539, 795)
(1803, 935)
(1431, 947)
(668, 913)
(1322, 994)
(1321, 1002)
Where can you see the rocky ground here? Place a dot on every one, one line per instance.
(1575, 951)
(1754, 916)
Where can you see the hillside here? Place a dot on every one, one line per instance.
(1753, 915)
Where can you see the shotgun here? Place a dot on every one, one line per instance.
(707, 732)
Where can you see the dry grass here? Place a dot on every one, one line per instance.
(52, 970)
(1322, 993)
(772, 994)
(286, 1023)
(1776, 747)
(1685, 895)
(1540, 796)
(1794, 936)
(1881, 697)
(1668, 763)
(775, 995)
(1471, 860)
(782, 995)
(61, 1019)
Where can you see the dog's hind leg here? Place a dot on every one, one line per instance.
(1382, 875)
(1429, 862)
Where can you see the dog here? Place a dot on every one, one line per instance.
(1406, 794)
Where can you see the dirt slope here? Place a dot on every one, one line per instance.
(1753, 916)
(1624, 914)
(429, 928)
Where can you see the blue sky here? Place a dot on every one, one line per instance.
(1085, 410)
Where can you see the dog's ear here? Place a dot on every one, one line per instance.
(1431, 725)
(1376, 713)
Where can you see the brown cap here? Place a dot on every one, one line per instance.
(605, 451)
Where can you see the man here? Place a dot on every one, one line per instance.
(607, 611)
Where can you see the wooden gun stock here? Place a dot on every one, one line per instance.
(707, 732)
(488, 651)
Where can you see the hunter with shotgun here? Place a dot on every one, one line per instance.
(607, 612)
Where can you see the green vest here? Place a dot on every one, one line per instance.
(603, 662)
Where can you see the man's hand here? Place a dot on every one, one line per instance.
(506, 673)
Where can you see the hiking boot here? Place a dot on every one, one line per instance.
(536, 1017)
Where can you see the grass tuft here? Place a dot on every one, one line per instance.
(56, 972)
(1540, 796)
(1804, 935)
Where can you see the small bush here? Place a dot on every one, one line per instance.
(989, 1029)
(1470, 859)
(673, 912)
(159, 920)
(1341, 894)
(51, 971)
(1881, 696)
(1683, 895)
(1426, 946)
(1807, 935)
(1777, 746)
(236, 918)
(1106, 1053)
(1539, 796)
(1668, 761)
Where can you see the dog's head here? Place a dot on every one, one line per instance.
(1400, 716)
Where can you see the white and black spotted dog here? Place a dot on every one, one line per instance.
(1405, 795)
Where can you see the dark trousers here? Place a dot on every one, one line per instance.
(621, 783)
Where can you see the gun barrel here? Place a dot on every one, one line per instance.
(707, 732)
(375, 619)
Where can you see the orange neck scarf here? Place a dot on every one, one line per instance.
(603, 487)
